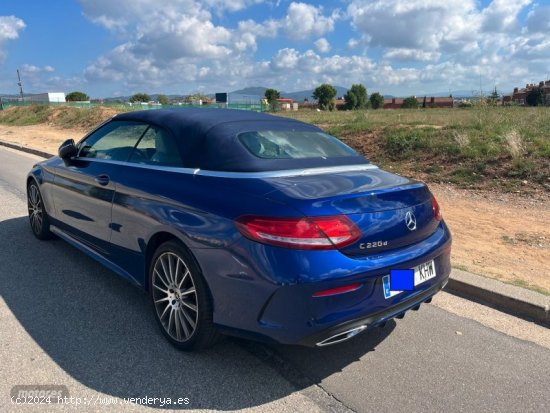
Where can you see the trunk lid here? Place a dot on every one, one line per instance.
(390, 211)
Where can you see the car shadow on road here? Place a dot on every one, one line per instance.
(101, 331)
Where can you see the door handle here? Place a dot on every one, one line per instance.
(102, 179)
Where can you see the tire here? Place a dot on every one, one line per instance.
(181, 299)
(38, 218)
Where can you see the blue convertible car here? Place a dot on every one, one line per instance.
(246, 224)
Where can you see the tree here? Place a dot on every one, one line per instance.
(535, 97)
(163, 99)
(356, 97)
(77, 97)
(193, 99)
(376, 100)
(140, 97)
(325, 95)
(410, 103)
(272, 95)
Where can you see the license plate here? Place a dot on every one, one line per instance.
(422, 273)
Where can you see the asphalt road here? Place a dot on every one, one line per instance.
(65, 320)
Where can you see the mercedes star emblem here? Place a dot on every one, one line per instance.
(410, 221)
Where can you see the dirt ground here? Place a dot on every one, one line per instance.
(496, 234)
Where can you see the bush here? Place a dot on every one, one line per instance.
(410, 103)
(535, 97)
(163, 99)
(272, 95)
(356, 97)
(77, 97)
(140, 97)
(325, 95)
(376, 100)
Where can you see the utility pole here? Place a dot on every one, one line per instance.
(20, 86)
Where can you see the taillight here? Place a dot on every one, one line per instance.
(436, 209)
(311, 233)
(338, 290)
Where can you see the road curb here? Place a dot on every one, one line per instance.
(26, 149)
(517, 301)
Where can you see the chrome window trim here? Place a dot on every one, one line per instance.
(242, 175)
(289, 172)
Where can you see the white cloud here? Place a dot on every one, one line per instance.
(27, 68)
(353, 43)
(538, 20)
(244, 38)
(173, 42)
(304, 20)
(322, 45)
(532, 50)
(230, 5)
(285, 59)
(501, 15)
(10, 26)
(163, 44)
(303, 70)
(415, 24)
(411, 55)
(460, 41)
(426, 45)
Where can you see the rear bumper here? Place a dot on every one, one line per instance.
(293, 316)
(323, 338)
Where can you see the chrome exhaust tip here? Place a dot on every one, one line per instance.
(338, 338)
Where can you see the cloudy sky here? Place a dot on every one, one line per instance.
(400, 47)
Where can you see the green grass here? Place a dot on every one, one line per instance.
(23, 116)
(472, 147)
(508, 240)
(59, 116)
(524, 284)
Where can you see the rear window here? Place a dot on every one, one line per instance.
(294, 145)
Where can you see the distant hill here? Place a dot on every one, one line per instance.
(303, 94)
(256, 90)
(297, 96)
(153, 96)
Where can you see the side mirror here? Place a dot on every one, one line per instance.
(67, 149)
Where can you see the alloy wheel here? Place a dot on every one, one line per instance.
(36, 213)
(175, 296)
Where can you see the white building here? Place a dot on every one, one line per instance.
(50, 97)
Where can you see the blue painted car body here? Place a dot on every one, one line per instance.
(259, 291)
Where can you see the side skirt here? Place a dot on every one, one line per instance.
(95, 255)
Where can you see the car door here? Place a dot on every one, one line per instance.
(84, 186)
(143, 199)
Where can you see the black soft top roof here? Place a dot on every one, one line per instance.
(208, 138)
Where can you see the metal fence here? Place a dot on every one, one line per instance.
(258, 107)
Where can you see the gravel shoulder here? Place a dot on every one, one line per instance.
(496, 234)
